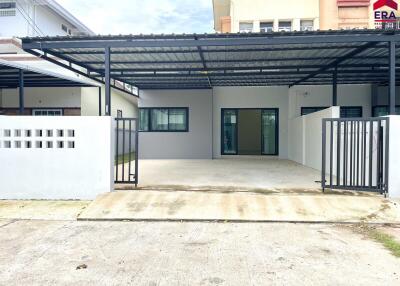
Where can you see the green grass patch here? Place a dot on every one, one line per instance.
(122, 159)
(387, 240)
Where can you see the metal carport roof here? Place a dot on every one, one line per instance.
(243, 59)
(34, 77)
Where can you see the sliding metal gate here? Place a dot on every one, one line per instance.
(355, 154)
(126, 151)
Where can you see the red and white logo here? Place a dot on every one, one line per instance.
(385, 3)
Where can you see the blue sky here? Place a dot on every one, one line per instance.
(143, 16)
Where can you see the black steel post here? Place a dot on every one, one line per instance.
(100, 101)
(107, 79)
(334, 87)
(136, 152)
(21, 92)
(392, 77)
(323, 171)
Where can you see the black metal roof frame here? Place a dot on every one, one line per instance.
(10, 78)
(243, 59)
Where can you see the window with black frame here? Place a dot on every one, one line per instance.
(383, 110)
(351, 112)
(165, 119)
(308, 110)
(345, 111)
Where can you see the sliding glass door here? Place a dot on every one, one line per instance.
(242, 133)
(229, 132)
(269, 126)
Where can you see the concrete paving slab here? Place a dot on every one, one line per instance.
(48, 210)
(191, 253)
(240, 206)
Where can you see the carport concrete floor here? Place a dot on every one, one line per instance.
(240, 189)
(228, 174)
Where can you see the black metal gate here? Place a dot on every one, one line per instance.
(126, 151)
(355, 154)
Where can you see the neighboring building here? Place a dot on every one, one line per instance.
(48, 18)
(232, 16)
(38, 18)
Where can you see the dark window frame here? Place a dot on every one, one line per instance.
(267, 23)
(8, 5)
(237, 134)
(360, 108)
(33, 109)
(303, 108)
(149, 119)
(64, 28)
(380, 106)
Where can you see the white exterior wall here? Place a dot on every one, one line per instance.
(394, 157)
(49, 22)
(43, 97)
(288, 101)
(86, 98)
(305, 137)
(251, 97)
(119, 101)
(195, 144)
(348, 95)
(46, 20)
(81, 172)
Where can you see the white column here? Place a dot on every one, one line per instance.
(394, 157)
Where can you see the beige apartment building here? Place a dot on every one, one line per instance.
(232, 16)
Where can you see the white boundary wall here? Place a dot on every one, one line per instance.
(305, 137)
(73, 158)
(394, 157)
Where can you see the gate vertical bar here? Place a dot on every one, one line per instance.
(386, 156)
(323, 154)
(136, 152)
(123, 150)
(338, 161)
(345, 147)
(351, 153)
(116, 151)
(130, 150)
(371, 130)
(358, 152)
(364, 151)
(378, 156)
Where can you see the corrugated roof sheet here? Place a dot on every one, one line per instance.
(203, 61)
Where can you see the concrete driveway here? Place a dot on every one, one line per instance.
(144, 253)
(228, 174)
(242, 206)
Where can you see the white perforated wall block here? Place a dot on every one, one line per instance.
(63, 157)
